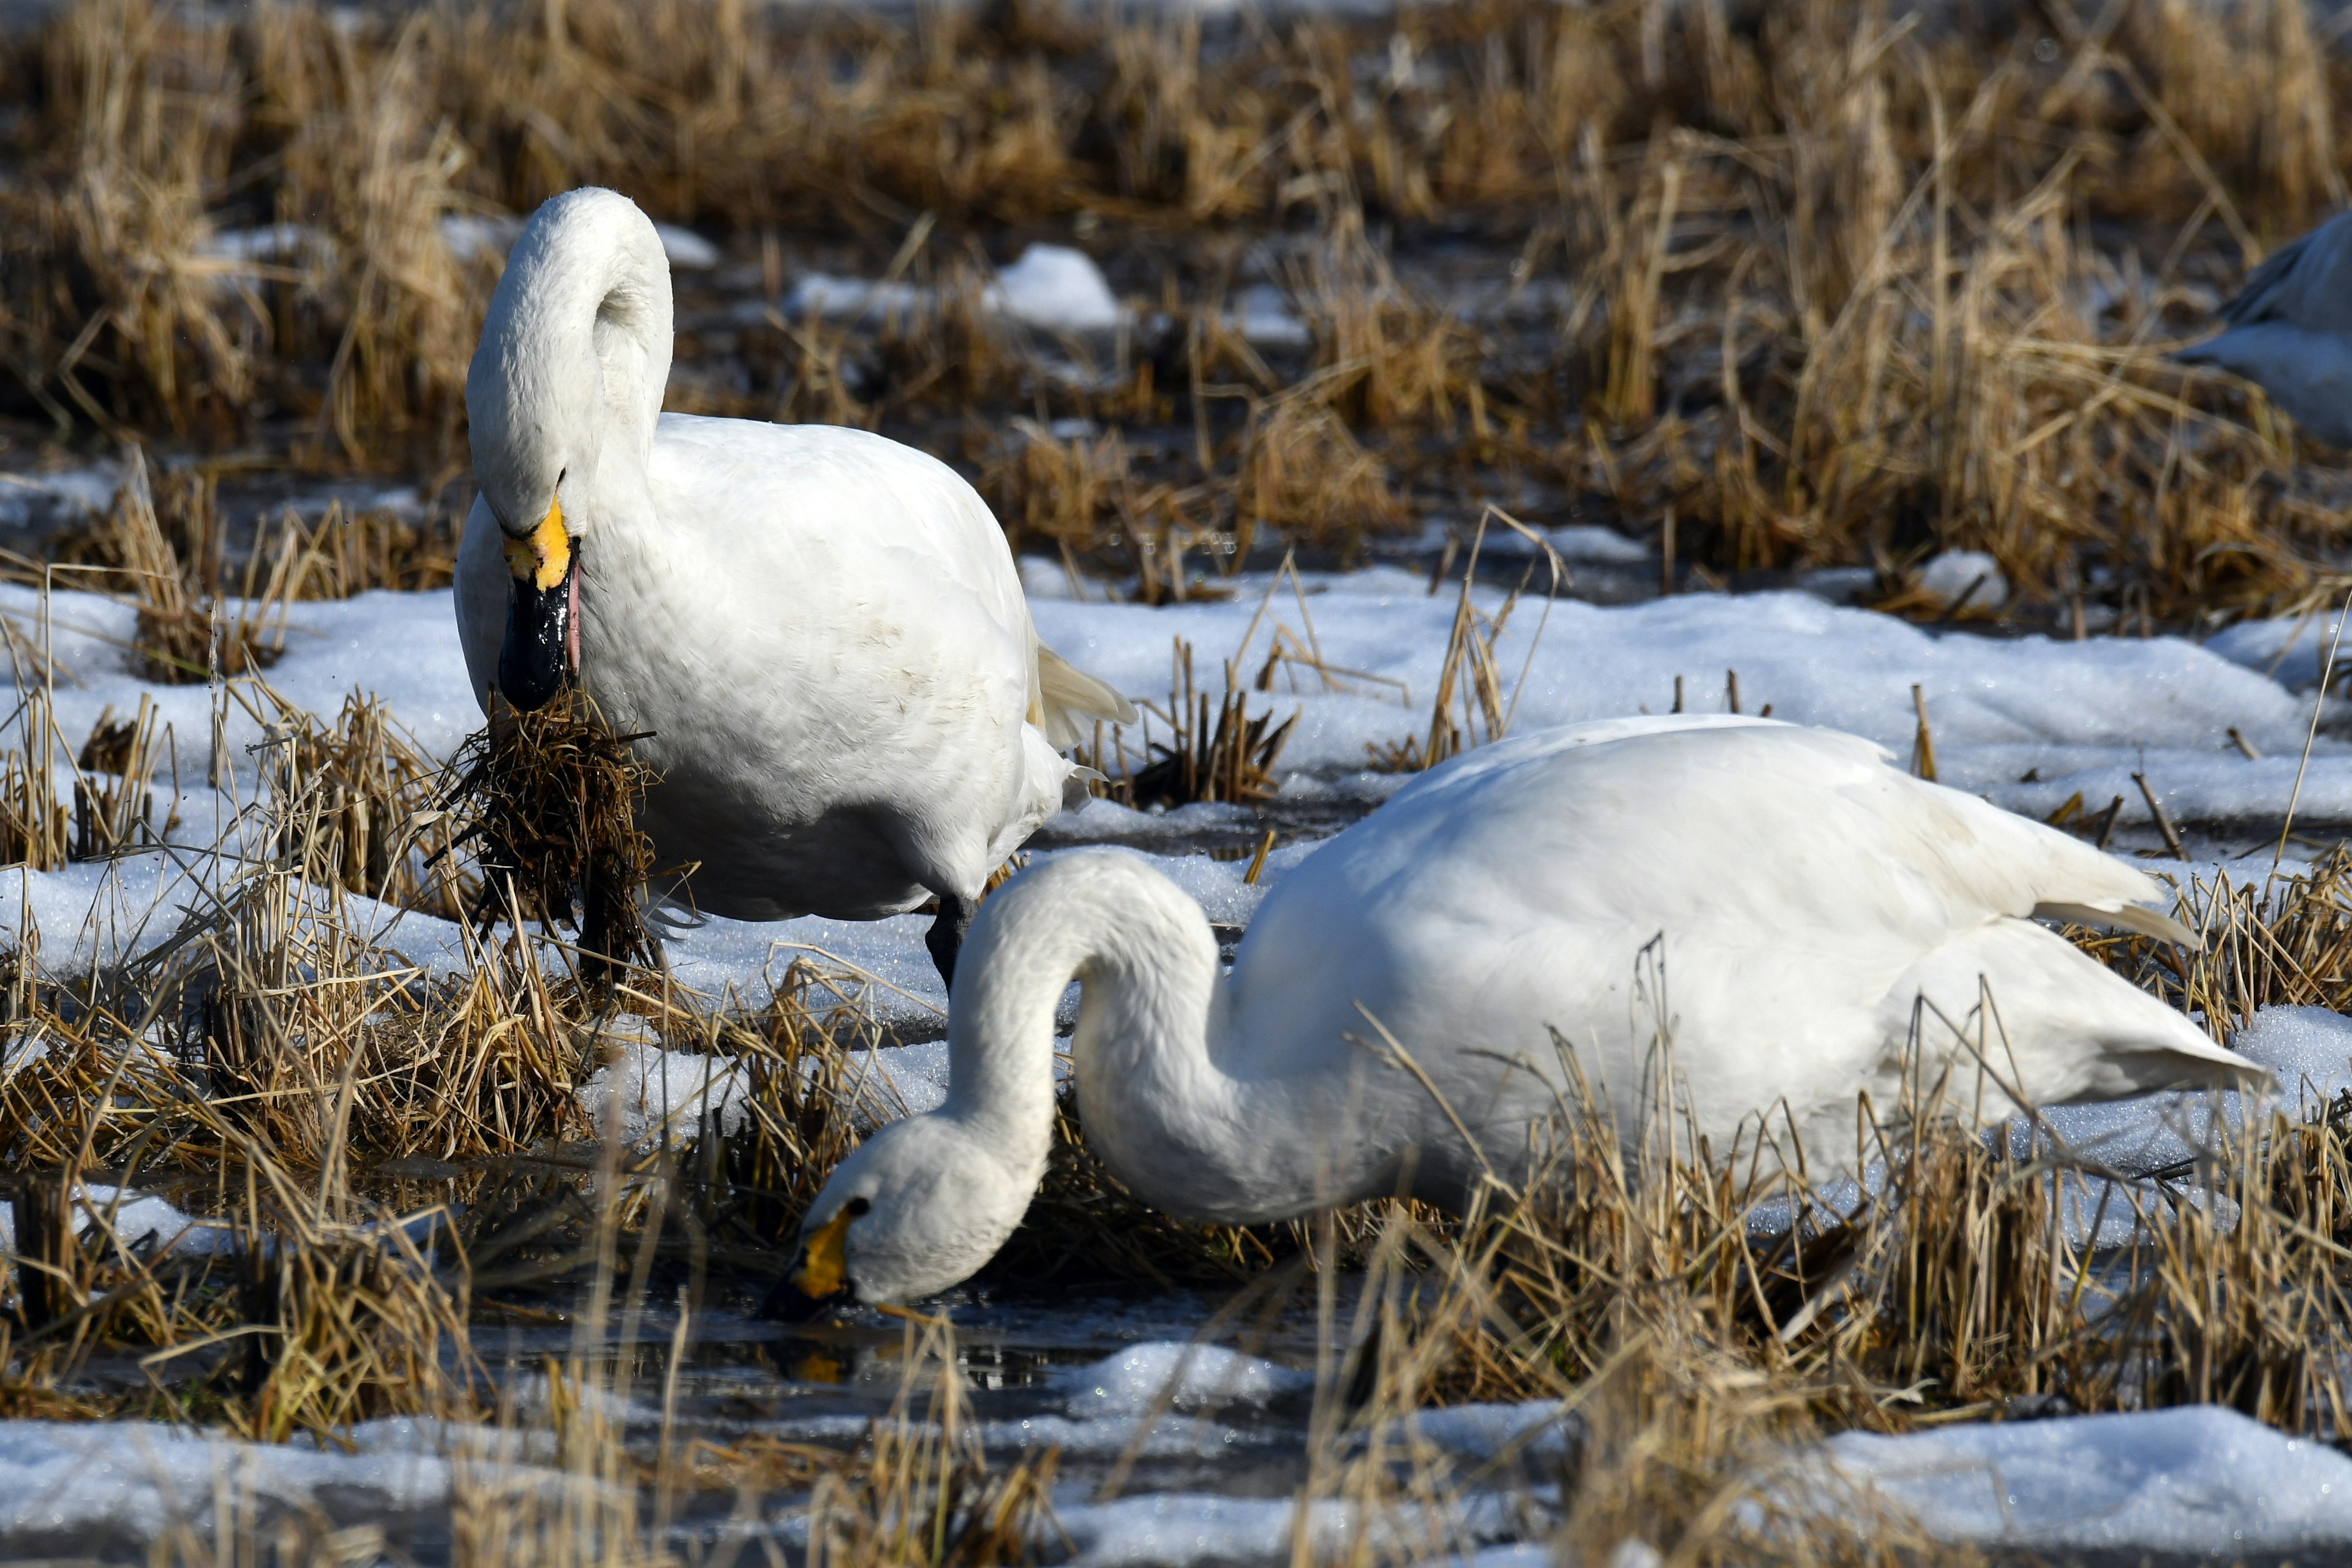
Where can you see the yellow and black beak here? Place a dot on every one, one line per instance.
(820, 1276)
(543, 641)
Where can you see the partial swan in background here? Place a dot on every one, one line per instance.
(1808, 896)
(823, 631)
(2290, 331)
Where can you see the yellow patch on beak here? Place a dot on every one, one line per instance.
(825, 1261)
(546, 555)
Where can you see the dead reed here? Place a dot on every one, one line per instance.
(1834, 288)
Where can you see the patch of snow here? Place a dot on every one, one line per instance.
(1177, 1530)
(845, 299)
(1482, 1431)
(1949, 576)
(469, 235)
(2197, 1481)
(2291, 649)
(93, 1482)
(685, 249)
(26, 500)
(663, 1096)
(138, 1223)
(270, 242)
(1162, 1375)
(1055, 289)
(1263, 317)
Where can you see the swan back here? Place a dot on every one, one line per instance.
(1757, 904)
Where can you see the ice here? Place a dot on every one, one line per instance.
(1057, 289)
(685, 249)
(2198, 1480)
(1163, 1376)
(1965, 574)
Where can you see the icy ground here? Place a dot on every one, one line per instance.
(2030, 722)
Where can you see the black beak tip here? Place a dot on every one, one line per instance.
(535, 657)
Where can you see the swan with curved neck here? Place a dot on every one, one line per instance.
(1775, 900)
(823, 631)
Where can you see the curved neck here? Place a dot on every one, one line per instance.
(1164, 1093)
(567, 382)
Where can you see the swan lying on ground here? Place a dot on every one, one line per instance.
(823, 631)
(1384, 1028)
(2289, 331)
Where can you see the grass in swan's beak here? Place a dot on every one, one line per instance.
(550, 799)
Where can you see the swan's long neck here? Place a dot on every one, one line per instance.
(567, 382)
(1155, 1066)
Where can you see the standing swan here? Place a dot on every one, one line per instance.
(1807, 895)
(823, 631)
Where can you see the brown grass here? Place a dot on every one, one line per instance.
(1835, 289)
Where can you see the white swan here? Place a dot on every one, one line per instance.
(1807, 895)
(822, 630)
(2289, 331)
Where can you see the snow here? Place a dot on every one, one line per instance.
(1262, 316)
(1967, 577)
(2196, 1480)
(469, 235)
(1162, 1375)
(1055, 289)
(662, 1098)
(687, 250)
(2292, 649)
(87, 1483)
(140, 1223)
(1051, 288)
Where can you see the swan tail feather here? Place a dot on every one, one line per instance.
(2120, 916)
(2061, 1027)
(1066, 695)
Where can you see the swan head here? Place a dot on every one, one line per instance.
(561, 401)
(915, 1210)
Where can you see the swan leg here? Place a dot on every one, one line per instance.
(945, 938)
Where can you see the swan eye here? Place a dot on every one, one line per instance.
(858, 1208)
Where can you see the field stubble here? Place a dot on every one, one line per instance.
(1823, 287)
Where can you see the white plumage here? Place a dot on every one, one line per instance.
(1803, 896)
(823, 630)
(2289, 331)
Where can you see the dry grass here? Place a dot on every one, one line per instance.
(1833, 288)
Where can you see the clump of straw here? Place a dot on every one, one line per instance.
(553, 796)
